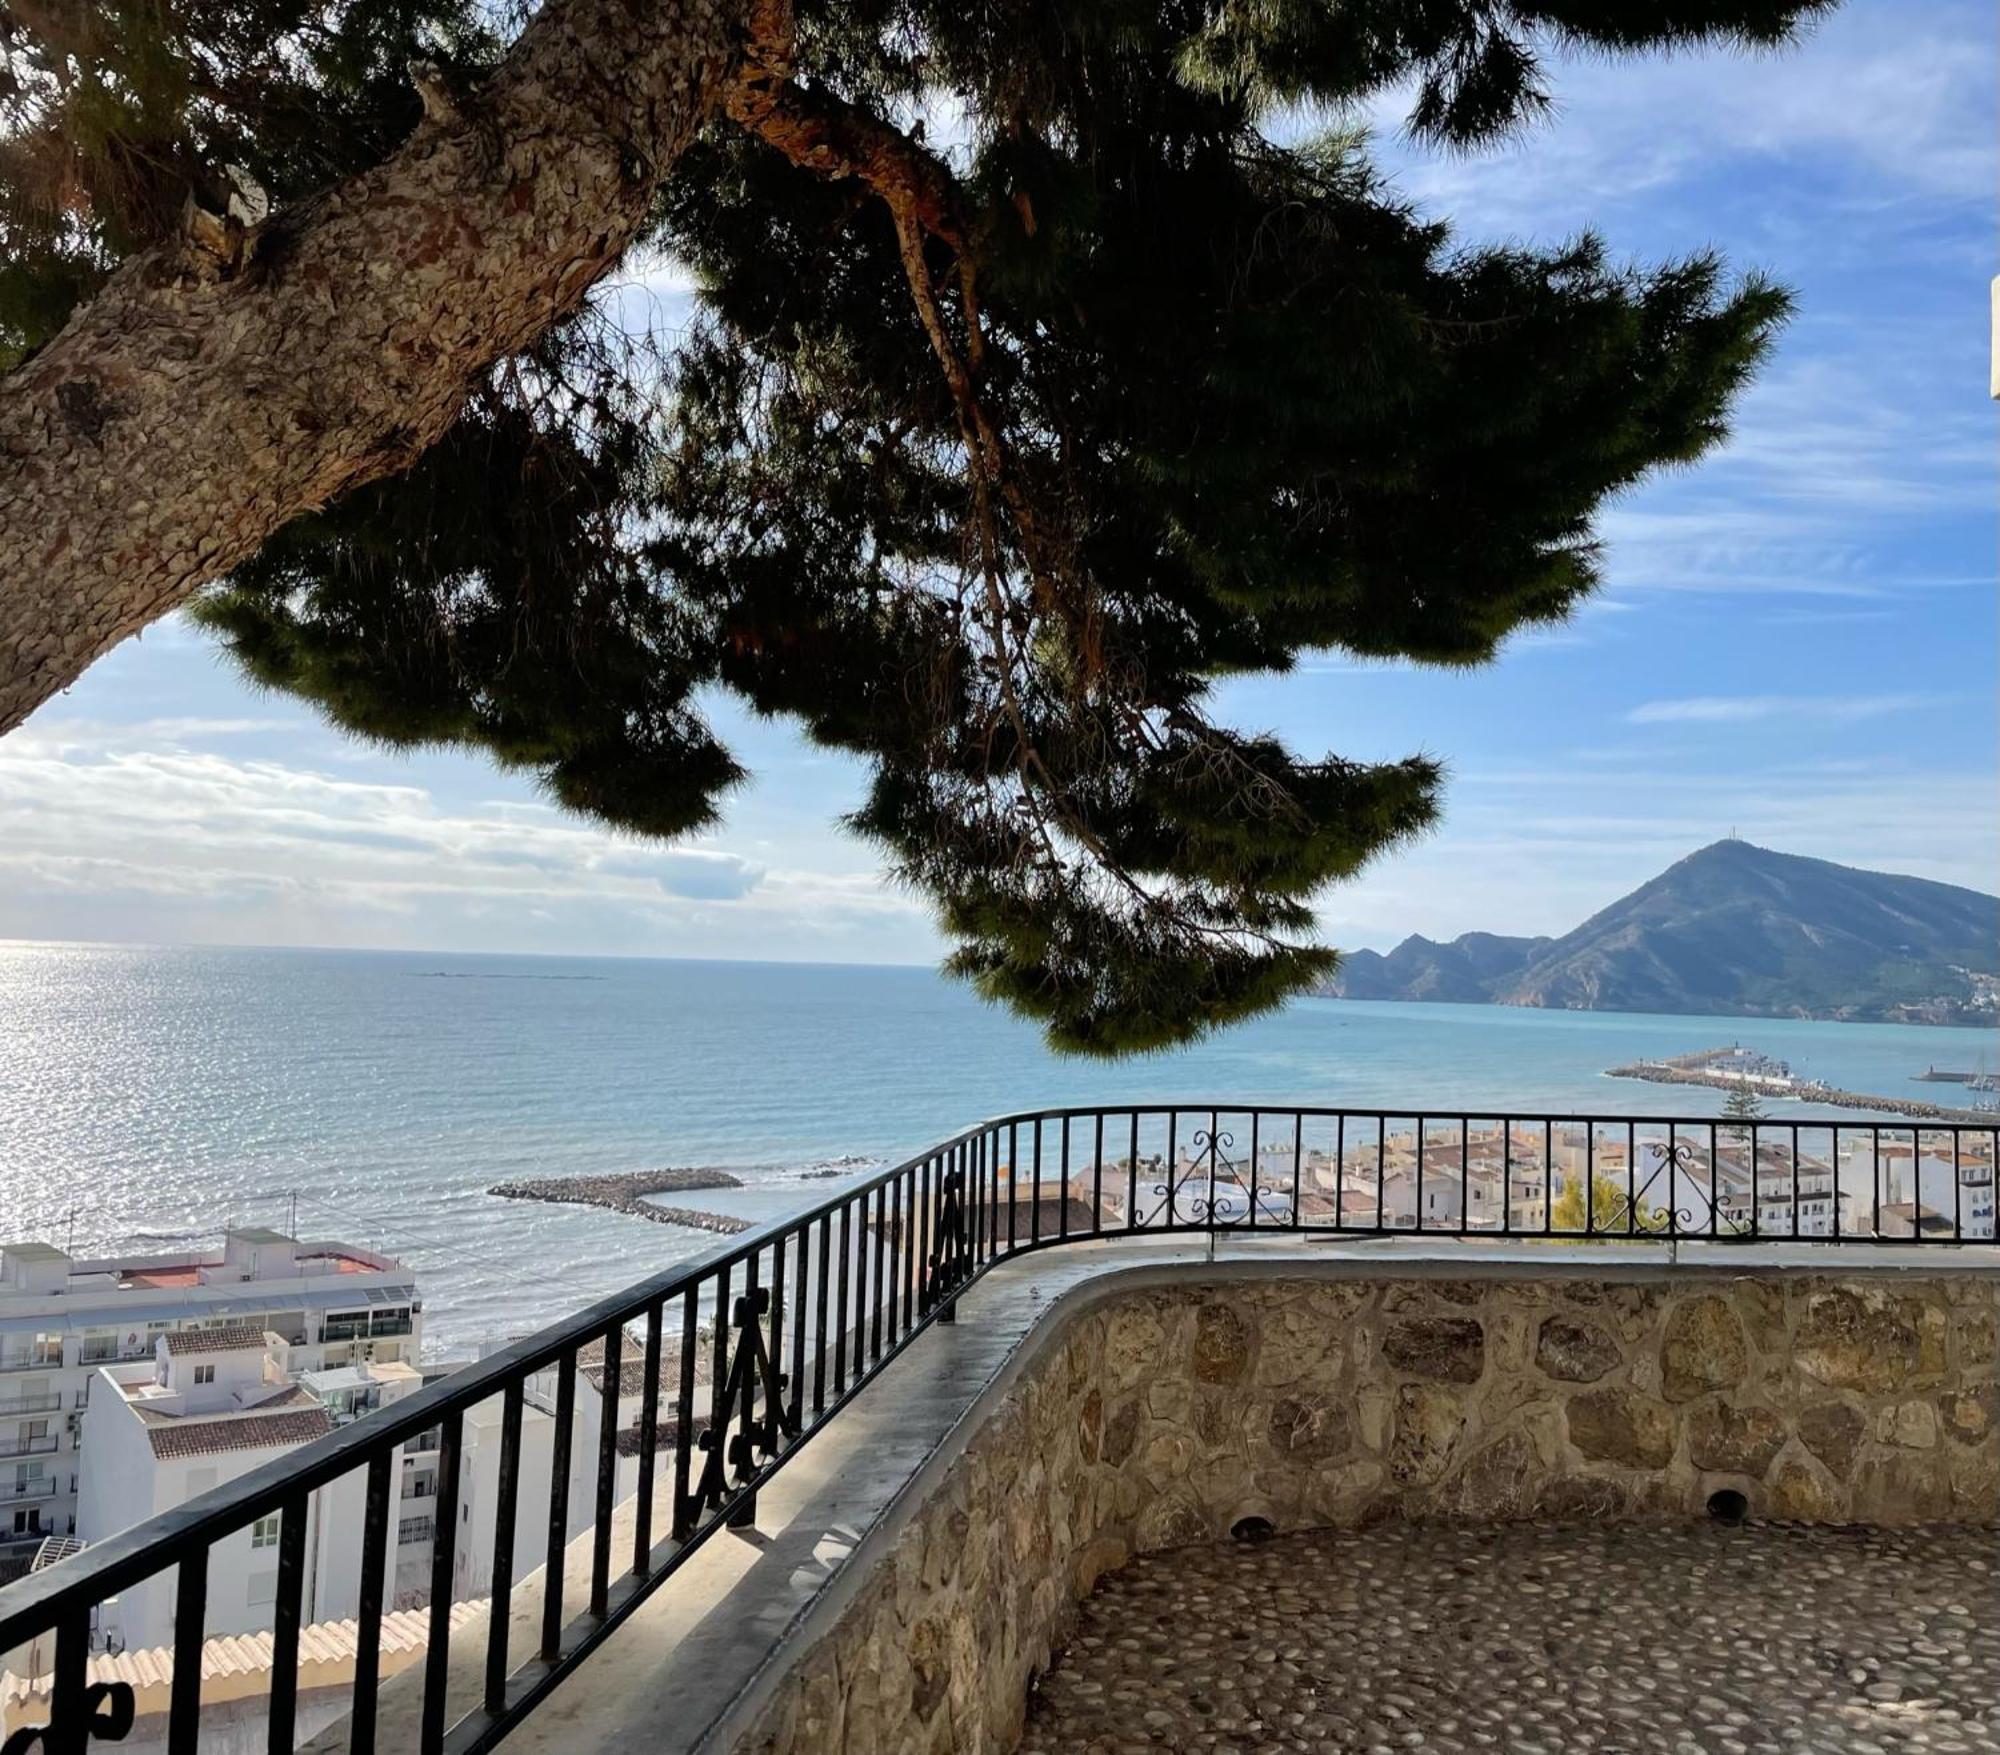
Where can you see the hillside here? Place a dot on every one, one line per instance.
(1730, 930)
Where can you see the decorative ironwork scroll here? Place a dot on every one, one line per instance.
(106, 1711)
(732, 1457)
(947, 1265)
(1181, 1204)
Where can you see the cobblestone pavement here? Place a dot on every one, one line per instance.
(1532, 1639)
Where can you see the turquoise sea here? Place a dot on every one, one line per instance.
(148, 1096)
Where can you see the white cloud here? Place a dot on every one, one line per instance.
(180, 841)
(1892, 111)
(1737, 709)
(700, 873)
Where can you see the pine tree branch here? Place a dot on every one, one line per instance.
(822, 133)
(200, 402)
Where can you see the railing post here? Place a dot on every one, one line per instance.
(735, 1457)
(946, 1265)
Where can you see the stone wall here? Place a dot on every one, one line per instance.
(1150, 1418)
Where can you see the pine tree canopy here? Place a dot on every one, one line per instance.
(1048, 367)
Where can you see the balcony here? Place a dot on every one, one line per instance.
(335, 1333)
(43, 1446)
(36, 1487)
(1094, 1348)
(112, 1352)
(42, 1402)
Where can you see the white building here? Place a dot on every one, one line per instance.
(60, 1319)
(479, 1497)
(212, 1406)
(628, 1406)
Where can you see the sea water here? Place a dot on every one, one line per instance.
(149, 1096)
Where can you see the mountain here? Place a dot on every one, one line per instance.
(1466, 970)
(1733, 930)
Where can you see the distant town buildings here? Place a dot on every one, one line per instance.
(332, 1306)
(1485, 1177)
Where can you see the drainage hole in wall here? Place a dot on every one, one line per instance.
(1728, 1506)
(1252, 1529)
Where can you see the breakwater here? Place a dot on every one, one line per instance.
(627, 1192)
(1803, 1091)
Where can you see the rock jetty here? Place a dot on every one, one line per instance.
(627, 1192)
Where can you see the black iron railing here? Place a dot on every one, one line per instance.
(748, 1352)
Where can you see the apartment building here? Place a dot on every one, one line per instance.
(333, 1305)
(214, 1404)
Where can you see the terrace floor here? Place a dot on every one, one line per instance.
(1535, 1639)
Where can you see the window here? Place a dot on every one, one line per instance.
(204, 1374)
(264, 1532)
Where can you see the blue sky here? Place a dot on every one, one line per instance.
(1797, 640)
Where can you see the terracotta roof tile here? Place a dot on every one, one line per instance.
(632, 1366)
(193, 1436)
(237, 1338)
(663, 1437)
(333, 1644)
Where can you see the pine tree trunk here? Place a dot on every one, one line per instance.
(223, 383)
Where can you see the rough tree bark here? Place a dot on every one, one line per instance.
(226, 381)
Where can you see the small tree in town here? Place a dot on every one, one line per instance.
(1049, 369)
(1609, 1203)
(1743, 1105)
